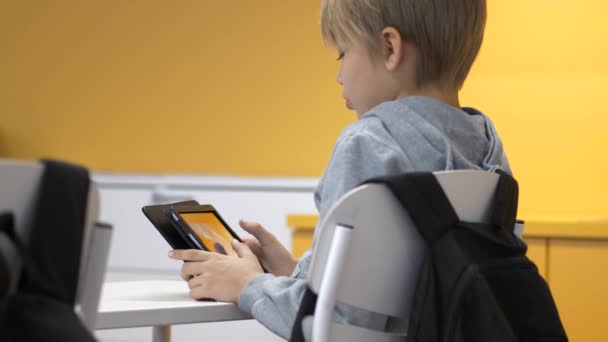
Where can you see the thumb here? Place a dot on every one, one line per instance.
(256, 229)
(242, 250)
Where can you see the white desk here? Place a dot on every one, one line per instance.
(157, 303)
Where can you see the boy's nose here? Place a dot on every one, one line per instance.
(339, 78)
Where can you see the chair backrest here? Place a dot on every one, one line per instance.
(375, 265)
(19, 184)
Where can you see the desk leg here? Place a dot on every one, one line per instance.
(161, 333)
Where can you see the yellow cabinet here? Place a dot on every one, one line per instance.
(578, 276)
(303, 228)
(537, 252)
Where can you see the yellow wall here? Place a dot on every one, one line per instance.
(247, 87)
(235, 87)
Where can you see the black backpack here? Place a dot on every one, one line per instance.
(476, 283)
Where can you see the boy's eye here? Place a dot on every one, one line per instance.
(340, 56)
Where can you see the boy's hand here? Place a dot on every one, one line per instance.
(271, 253)
(217, 276)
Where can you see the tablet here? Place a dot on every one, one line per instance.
(204, 227)
(157, 215)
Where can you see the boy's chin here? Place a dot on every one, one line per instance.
(349, 105)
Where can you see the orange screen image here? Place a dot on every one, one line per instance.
(211, 232)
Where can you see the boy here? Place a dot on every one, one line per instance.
(403, 63)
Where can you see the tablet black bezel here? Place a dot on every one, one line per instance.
(156, 214)
(185, 228)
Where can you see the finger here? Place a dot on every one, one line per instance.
(256, 229)
(191, 269)
(191, 255)
(251, 241)
(242, 250)
(199, 292)
(185, 276)
(195, 282)
(254, 245)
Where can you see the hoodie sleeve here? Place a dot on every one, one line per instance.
(274, 301)
(358, 155)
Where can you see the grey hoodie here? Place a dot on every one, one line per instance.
(405, 135)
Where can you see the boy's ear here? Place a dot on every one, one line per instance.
(393, 48)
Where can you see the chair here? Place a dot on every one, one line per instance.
(374, 266)
(19, 184)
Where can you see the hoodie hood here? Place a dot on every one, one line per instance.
(412, 134)
(441, 137)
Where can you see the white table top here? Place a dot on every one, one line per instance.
(157, 302)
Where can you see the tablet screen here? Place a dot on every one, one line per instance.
(211, 231)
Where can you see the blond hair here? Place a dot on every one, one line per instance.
(447, 33)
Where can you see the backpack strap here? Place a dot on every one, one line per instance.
(430, 209)
(307, 308)
(504, 210)
(421, 194)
